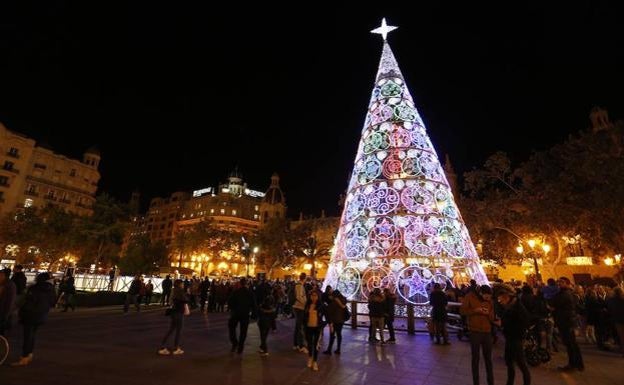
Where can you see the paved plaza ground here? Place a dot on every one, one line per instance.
(104, 347)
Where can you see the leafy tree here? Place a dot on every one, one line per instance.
(102, 234)
(143, 256)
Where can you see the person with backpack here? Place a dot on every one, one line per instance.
(336, 317)
(38, 300)
(515, 321)
(478, 308)
(299, 303)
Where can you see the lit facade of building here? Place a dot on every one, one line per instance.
(231, 206)
(32, 175)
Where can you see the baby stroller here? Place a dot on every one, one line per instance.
(534, 353)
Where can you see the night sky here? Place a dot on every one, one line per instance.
(177, 95)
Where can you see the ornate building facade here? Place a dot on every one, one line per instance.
(32, 175)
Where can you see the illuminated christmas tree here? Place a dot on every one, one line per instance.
(400, 227)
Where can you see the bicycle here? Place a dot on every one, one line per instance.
(4, 349)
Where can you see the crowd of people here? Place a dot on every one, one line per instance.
(552, 314)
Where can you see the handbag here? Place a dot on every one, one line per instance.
(187, 310)
(347, 314)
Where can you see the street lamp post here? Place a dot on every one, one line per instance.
(533, 254)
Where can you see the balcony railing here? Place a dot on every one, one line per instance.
(4, 184)
(67, 201)
(13, 154)
(11, 169)
(50, 197)
(31, 193)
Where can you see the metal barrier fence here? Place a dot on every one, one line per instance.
(101, 282)
(407, 317)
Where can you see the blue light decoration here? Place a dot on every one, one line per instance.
(400, 228)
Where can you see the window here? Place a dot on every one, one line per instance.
(255, 216)
(72, 172)
(8, 165)
(222, 211)
(28, 202)
(211, 211)
(2, 199)
(256, 207)
(233, 212)
(41, 166)
(14, 152)
(4, 181)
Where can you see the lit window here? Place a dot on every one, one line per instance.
(28, 202)
(255, 216)
(211, 211)
(233, 212)
(222, 211)
(257, 208)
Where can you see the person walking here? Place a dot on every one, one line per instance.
(266, 317)
(179, 309)
(615, 304)
(376, 312)
(336, 317)
(8, 293)
(389, 307)
(241, 304)
(298, 306)
(313, 320)
(478, 308)
(515, 321)
(438, 302)
(149, 292)
(69, 291)
(564, 311)
(133, 294)
(19, 279)
(204, 287)
(167, 284)
(38, 300)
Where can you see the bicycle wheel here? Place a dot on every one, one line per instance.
(4, 349)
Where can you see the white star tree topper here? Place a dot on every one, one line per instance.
(384, 29)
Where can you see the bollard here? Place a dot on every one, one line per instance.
(411, 321)
(354, 315)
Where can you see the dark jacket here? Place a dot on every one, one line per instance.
(515, 321)
(564, 303)
(266, 312)
(335, 312)
(389, 304)
(242, 302)
(70, 286)
(7, 299)
(438, 302)
(179, 299)
(594, 308)
(376, 307)
(135, 287)
(616, 309)
(321, 311)
(37, 303)
(19, 279)
(167, 284)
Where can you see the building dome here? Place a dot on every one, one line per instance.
(274, 194)
(93, 150)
